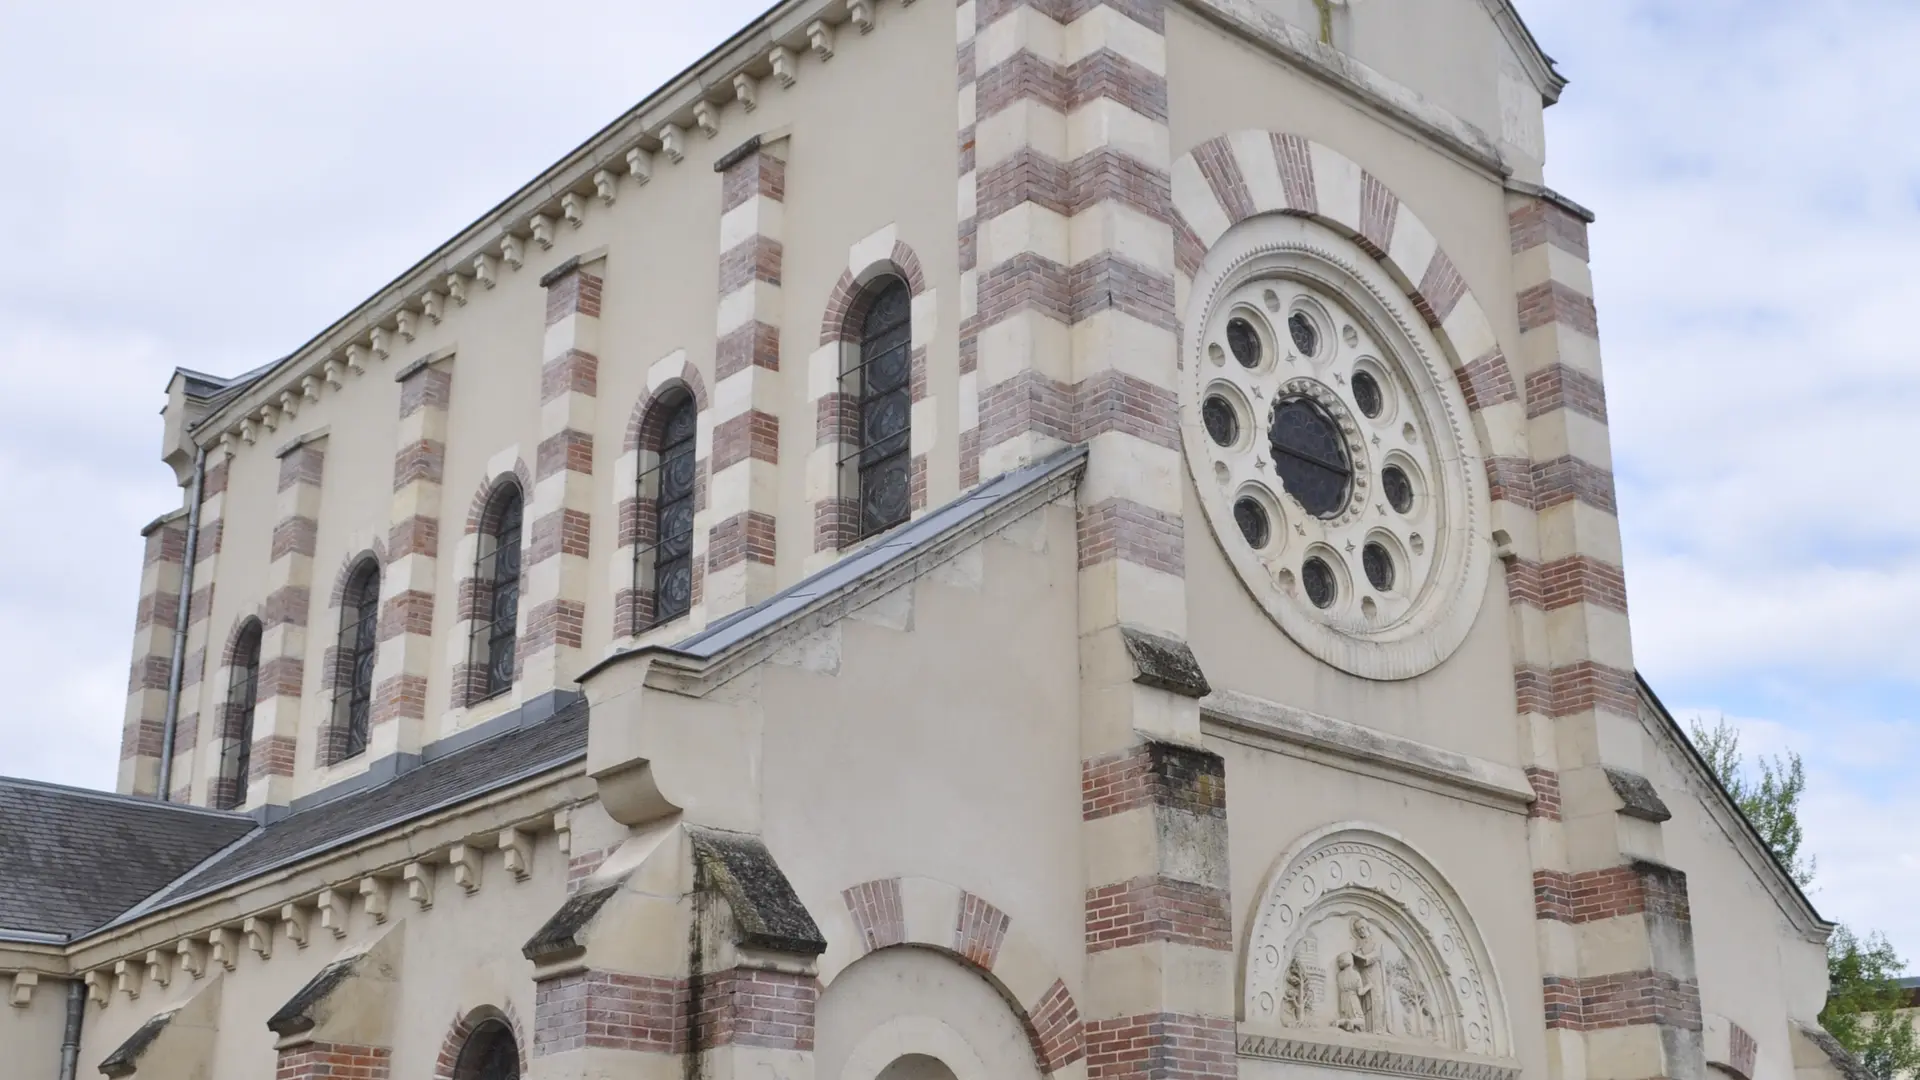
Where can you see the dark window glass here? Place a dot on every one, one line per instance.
(1366, 394)
(489, 1054)
(1221, 422)
(673, 515)
(359, 627)
(886, 403)
(1244, 340)
(1398, 489)
(243, 692)
(1322, 588)
(1253, 522)
(498, 637)
(1305, 336)
(1379, 566)
(1310, 456)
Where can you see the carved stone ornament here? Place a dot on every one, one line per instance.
(1332, 449)
(1356, 937)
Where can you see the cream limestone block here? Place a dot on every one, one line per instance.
(965, 107)
(823, 371)
(1467, 330)
(968, 198)
(1566, 1054)
(1412, 247)
(1077, 1070)
(1025, 341)
(1260, 169)
(1024, 27)
(1114, 717)
(1125, 466)
(746, 390)
(1549, 262)
(1589, 632)
(1626, 1053)
(1543, 746)
(1024, 969)
(922, 1035)
(1022, 125)
(1103, 27)
(1110, 225)
(925, 420)
(1609, 945)
(1113, 339)
(1194, 200)
(969, 401)
(1504, 430)
(1589, 739)
(931, 909)
(1556, 343)
(758, 216)
(1026, 228)
(741, 487)
(873, 249)
(1559, 943)
(823, 472)
(738, 586)
(925, 312)
(1606, 839)
(1123, 592)
(742, 1062)
(599, 1064)
(969, 295)
(1336, 184)
(1013, 453)
(665, 370)
(703, 435)
(573, 331)
(1159, 977)
(965, 18)
(1106, 124)
(1563, 432)
(1574, 528)
(1119, 847)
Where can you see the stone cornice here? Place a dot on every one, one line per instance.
(1364, 1054)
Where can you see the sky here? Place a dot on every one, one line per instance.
(207, 183)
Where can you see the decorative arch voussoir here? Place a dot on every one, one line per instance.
(445, 1067)
(377, 551)
(846, 303)
(256, 617)
(483, 495)
(645, 425)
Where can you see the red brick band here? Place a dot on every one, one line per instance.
(1576, 688)
(333, 1061)
(751, 435)
(1154, 774)
(1642, 888)
(1626, 999)
(1558, 386)
(1161, 1046)
(1546, 793)
(1552, 302)
(979, 930)
(1541, 222)
(745, 537)
(1127, 531)
(1149, 909)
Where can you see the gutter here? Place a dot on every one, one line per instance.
(177, 668)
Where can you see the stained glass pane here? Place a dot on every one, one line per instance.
(503, 611)
(1221, 422)
(673, 556)
(1379, 566)
(886, 409)
(1310, 456)
(1244, 340)
(1398, 489)
(1253, 521)
(359, 627)
(1322, 587)
(489, 1054)
(1306, 337)
(1366, 394)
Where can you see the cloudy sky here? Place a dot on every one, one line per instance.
(208, 183)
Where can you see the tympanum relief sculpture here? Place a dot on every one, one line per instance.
(1348, 974)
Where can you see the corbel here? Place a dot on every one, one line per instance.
(98, 989)
(542, 227)
(820, 39)
(419, 879)
(126, 978)
(486, 270)
(516, 851)
(374, 895)
(673, 142)
(512, 252)
(563, 830)
(293, 919)
(21, 995)
(431, 306)
(706, 118)
(466, 862)
(407, 323)
(639, 166)
(606, 185)
(746, 89)
(224, 946)
(259, 933)
(457, 289)
(290, 403)
(159, 968)
(269, 417)
(229, 443)
(357, 358)
(861, 12)
(193, 957)
(573, 208)
(333, 911)
(382, 343)
(335, 373)
(248, 432)
(310, 387)
(785, 65)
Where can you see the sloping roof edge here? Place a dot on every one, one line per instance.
(1787, 892)
(1539, 66)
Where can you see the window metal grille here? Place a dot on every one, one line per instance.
(243, 692)
(673, 516)
(490, 1053)
(359, 627)
(495, 639)
(882, 387)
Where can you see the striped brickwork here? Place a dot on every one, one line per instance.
(404, 661)
(161, 575)
(196, 767)
(554, 581)
(632, 569)
(745, 458)
(283, 641)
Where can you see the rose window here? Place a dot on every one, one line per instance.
(1330, 460)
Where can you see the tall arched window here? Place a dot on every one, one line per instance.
(880, 385)
(664, 570)
(495, 633)
(359, 640)
(236, 730)
(490, 1053)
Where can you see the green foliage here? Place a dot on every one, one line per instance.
(1863, 995)
(1863, 1003)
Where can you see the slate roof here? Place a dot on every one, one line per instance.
(71, 859)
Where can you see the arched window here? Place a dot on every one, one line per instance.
(663, 555)
(359, 640)
(490, 1053)
(880, 386)
(236, 729)
(495, 627)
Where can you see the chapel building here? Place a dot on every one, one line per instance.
(1008, 540)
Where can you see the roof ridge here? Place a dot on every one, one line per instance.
(143, 801)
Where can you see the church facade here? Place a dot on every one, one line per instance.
(1049, 539)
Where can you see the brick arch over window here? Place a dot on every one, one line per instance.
(644, 425)
(376, 551)
(845, 304)
(483, 495)
(925, 913)
(463, 1027)
(1231, 178)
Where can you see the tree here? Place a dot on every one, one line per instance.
(1863, 990)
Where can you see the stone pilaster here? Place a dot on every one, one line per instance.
(967, 23)
(404, 661)
(161, 574)
(743, 492)
(198, 765)
(283, 640)
(554, 580)
(1622, 998)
